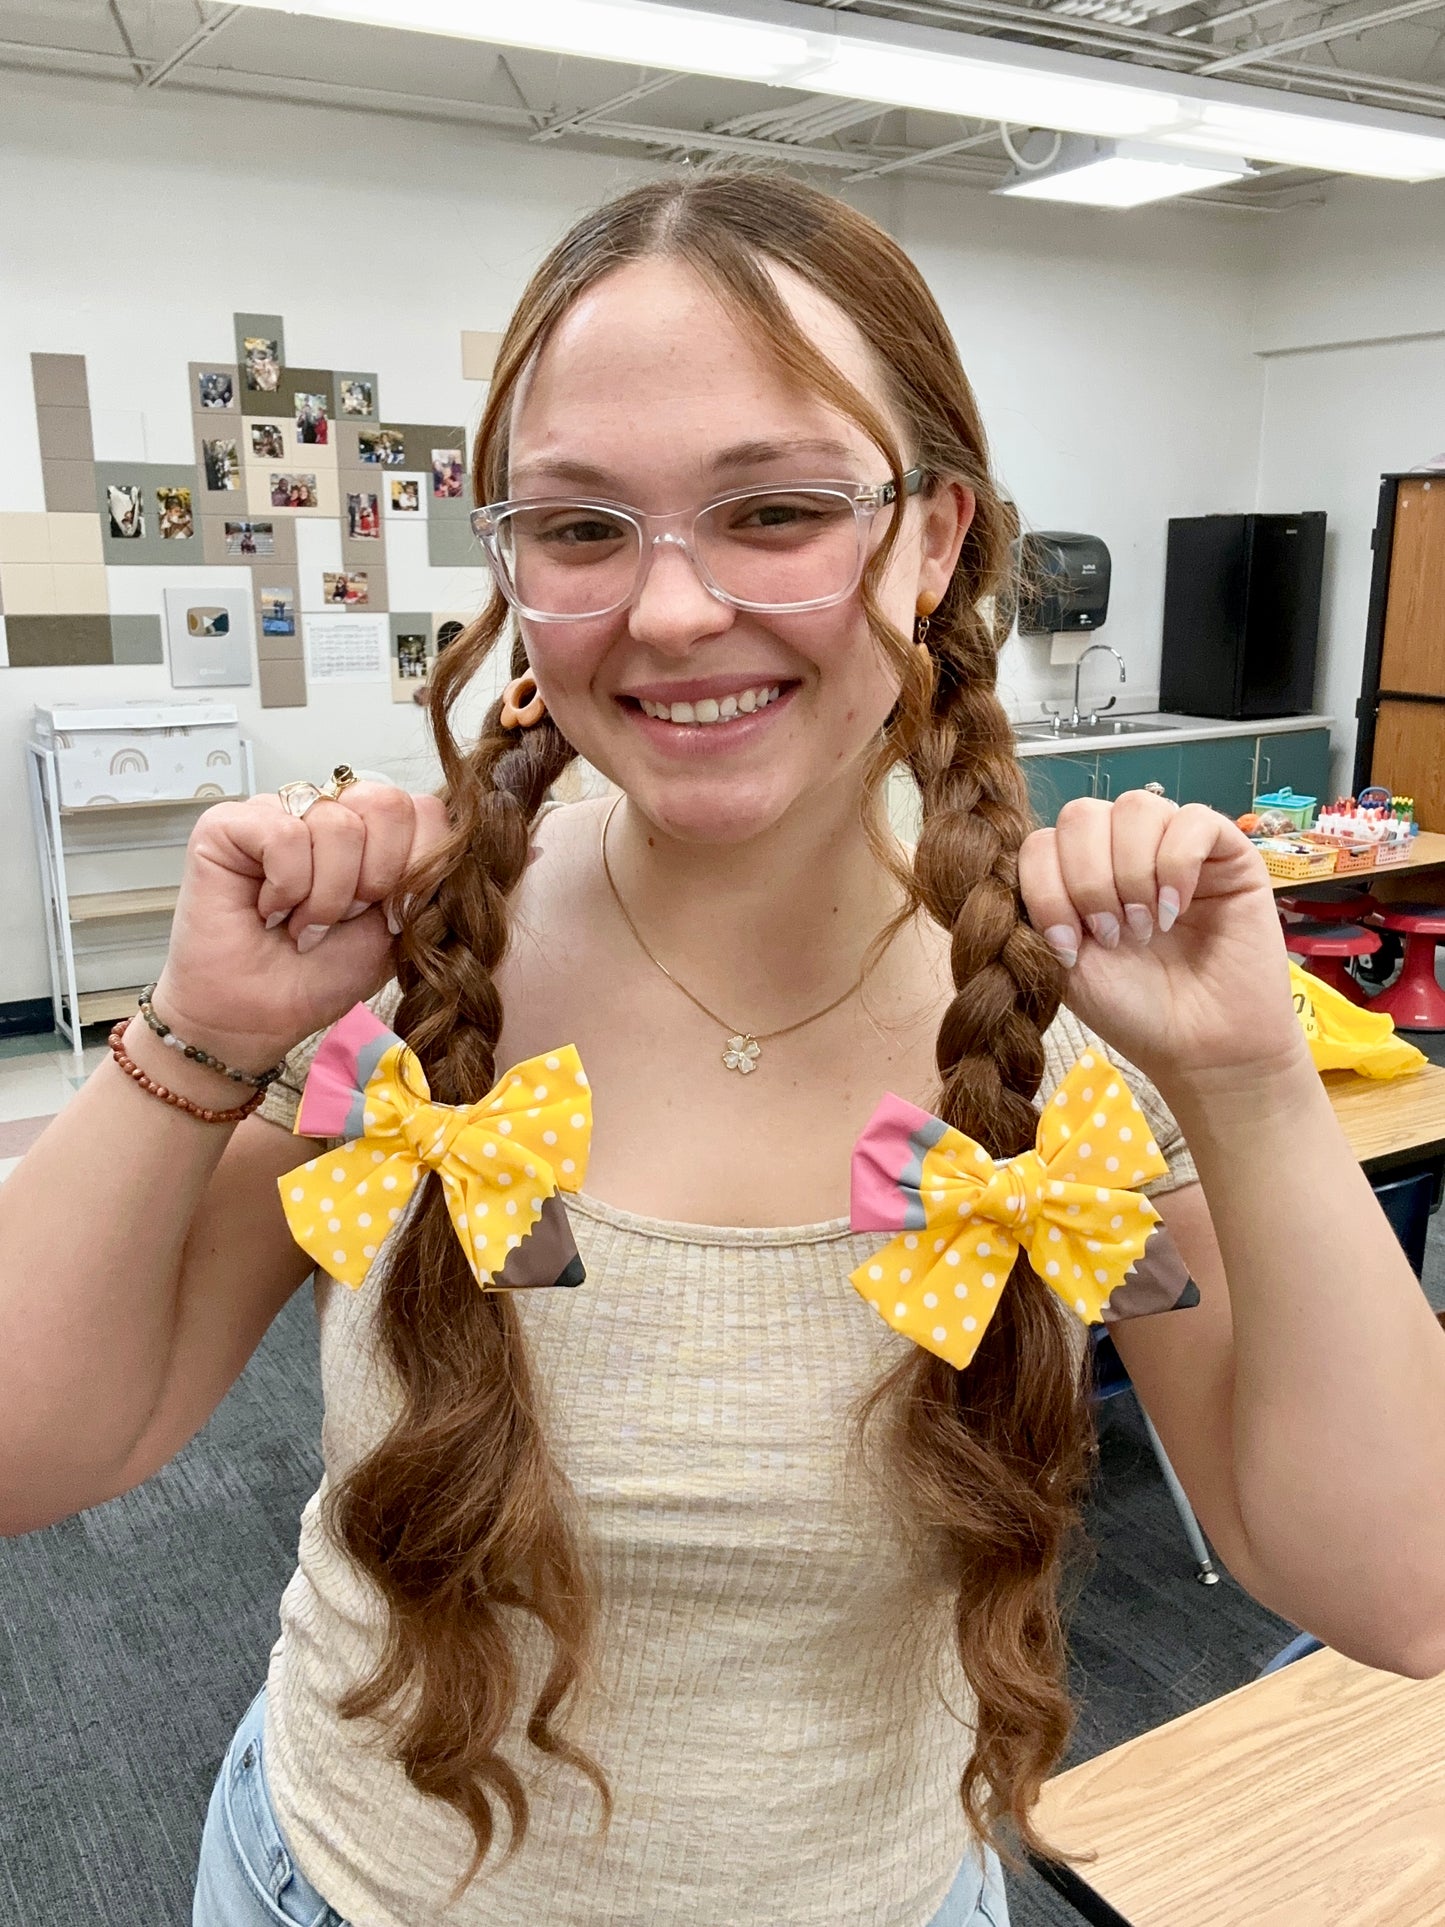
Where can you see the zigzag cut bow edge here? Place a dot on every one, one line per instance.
(502, 1160)
(960, 1218)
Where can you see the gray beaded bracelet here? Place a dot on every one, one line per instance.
(168, 1036)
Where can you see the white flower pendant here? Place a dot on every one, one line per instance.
(742, 1054)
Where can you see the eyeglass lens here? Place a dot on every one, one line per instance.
(775, 549)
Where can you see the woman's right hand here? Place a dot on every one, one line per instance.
(324, 882)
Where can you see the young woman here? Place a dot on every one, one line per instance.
(707, 1592)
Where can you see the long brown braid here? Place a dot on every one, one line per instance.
(459, 1516)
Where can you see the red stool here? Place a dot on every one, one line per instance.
(1329, 903)
(1325, 947)
(1415, 1000)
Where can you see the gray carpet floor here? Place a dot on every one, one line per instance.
(134, 1636)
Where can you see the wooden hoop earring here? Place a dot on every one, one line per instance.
(522, 704)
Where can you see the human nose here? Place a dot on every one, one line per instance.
(673, 606)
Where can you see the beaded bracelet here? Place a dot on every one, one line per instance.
(133, 1070)
(168, 1036)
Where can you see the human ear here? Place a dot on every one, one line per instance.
(947, 511)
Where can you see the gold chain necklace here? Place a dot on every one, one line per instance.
(743, 1048)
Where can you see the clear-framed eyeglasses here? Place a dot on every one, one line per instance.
(572, 559)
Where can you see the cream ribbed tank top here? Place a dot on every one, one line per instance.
(779, 1708)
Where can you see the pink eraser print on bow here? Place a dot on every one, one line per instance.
(887, 1164)
(333, 1103)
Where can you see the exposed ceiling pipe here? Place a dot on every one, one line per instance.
(204, 33)
(1340, 30)
(571, 123)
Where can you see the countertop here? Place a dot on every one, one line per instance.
(1171, 729)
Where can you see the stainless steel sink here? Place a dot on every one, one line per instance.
(1104, 727)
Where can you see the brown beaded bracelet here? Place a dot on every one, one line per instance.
(259, 1080)
(133, 1070)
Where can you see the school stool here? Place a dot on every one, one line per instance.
(1325, 948)
(1329, 903)
(1415, 1000)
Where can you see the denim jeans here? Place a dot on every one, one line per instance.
(247, 1877)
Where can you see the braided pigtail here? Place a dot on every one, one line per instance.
(995, 1459)
(460, 1513)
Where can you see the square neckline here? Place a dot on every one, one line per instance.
(679, 1231)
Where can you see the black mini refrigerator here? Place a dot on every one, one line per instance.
(1242, 614)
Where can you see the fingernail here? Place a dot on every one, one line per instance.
(358, 907)
(1061, 940)
(1141, 924)
(311, 936)
(1168, 907)
(1104, 929)
(393, 923)
(276, 916)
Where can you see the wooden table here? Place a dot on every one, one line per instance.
(1427, 852)
(1399, 1119)
(1312, 1798)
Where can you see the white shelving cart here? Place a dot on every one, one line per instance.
(108, 782)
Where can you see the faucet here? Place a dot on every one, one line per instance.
(1076, 721)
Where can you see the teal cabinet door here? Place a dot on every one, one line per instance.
(1054, 780)
(1132, 769)
(1219, 773)
(1298, 760)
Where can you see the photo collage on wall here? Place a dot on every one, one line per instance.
(275, 445)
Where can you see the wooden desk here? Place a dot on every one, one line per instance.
(1427, 852)
(1400, 1119)
(1313, 1797)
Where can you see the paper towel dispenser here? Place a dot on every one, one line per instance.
(1063, 583)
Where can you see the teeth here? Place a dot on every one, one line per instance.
(711, 709)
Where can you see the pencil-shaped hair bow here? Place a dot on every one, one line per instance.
(501, 1160)
(962, 1217)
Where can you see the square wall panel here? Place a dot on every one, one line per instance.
(451, 544)
(136, 639)
(65, 434)
(25, 538)
(479, 354)
(69, 486)
(74, 538)
(27, 588)
(160, 502)
(80, 589)
(59, 381)
(282, 683)
(54, 642)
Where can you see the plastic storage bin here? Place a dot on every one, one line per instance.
(142, 752)
(1299, 809)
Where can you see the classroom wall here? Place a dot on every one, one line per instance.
(1351, 333)
(1111, 355)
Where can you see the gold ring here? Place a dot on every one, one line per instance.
(297, 798)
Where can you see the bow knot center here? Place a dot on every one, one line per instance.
(430, 1129)
(1012, 1194)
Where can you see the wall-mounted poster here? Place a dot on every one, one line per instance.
(222, 464)
(363, 515)
(447, 473)
(278, 610)
(346, 648)
(382, 445)
(405, 494)
(215, 388)
(126, 503)
(268, 444)
(250, 538)
(208, 637)
(293, 491)
(356, 396)
(261, 363)
(312, 425)
(347, 587)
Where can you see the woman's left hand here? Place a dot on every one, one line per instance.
(1168, 924)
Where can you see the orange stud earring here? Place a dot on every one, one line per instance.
(522, 703)
(925, 611)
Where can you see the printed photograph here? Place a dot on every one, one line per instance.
(268, 442)
(278, 611)
(127, 512)
(293, 492)
(405, 495)
(250, 538)
(215, 388)
(174, 508)
(261, 364)
(382, 445)
(356, 397)
(363, 517)
(411, 656)
(222, 465)
(348, 589)
(448, 632)
(312, 427)
(447, 474)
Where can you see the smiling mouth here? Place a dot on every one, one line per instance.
(708, 711)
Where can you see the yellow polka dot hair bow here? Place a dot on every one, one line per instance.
(502, 1160)
(961, 1217)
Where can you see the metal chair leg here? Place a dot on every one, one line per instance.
(1207, 1572)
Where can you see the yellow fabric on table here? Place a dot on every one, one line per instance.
(1345, 1036)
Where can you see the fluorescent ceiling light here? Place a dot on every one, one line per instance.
(829, 51)
(1104, 173)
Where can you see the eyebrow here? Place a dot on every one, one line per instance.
(736, 457)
